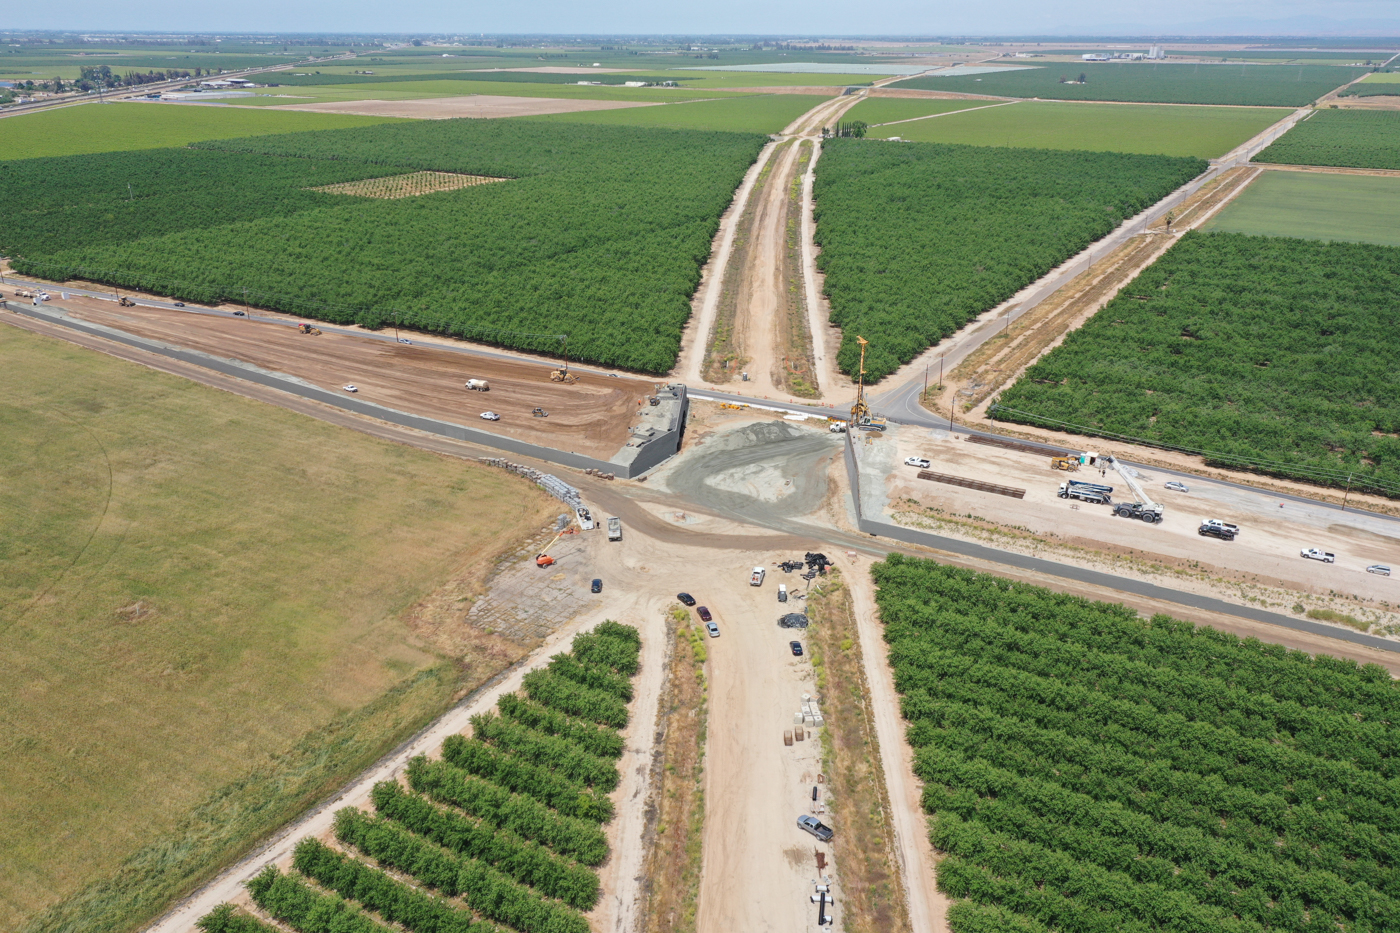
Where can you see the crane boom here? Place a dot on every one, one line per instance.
(1144, 509)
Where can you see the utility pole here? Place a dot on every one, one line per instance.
(1348, 493)
(247, 312)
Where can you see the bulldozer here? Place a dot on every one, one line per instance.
(1068, 464)
(562, 374)
(308, 329)
(126, 302)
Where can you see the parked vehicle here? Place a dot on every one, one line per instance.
(816, 827)
(686, 599)
(796, 647)
(614, 529)
(713, 629)
(597, 586)
(756, 577)
(782, 592)
(478, 385)
(490, 416)
(703, 613)
(837, 427)
(1215, 528)
(1317, 553)
(1380, 569)
(919, 462)
(1174, 486)
(350, 387)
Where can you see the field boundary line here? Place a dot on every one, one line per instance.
(933, 116)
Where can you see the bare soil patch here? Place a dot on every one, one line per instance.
(407, 186)
(591, 417)
(795, 371)
(480, 106)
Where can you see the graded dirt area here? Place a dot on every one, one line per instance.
(450, 108)
(591, 417)
(1266, 553)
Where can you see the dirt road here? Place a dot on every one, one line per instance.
(760, 279)
(758, 865)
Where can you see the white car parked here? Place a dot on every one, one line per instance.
(1317, 553)
(1380, 569)
(919, 462)
(350, 387)
(1174, 486)
(490, 416)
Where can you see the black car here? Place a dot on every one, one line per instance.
(796, 647)
(239, 314)
(686, 599)
(704, 614)
(597, 586)
(179, 304)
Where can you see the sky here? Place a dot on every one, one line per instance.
(707, 17)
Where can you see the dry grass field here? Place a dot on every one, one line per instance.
(205, 622)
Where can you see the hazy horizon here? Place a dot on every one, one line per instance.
(815, 18)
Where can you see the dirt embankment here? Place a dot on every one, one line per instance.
(856, 789)
(676, 809)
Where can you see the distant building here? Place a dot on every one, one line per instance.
(1097, 57)
(1156, 52)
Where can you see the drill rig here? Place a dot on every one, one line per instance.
(860, 411)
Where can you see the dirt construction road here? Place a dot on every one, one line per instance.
(591, 417)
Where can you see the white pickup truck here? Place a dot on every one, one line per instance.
(1317, 553)
(756, 577)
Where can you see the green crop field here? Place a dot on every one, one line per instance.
(1204, 132)
(417, 90)
(1264, 351)
(93, 128)
(919, 239)
(1256, 85)
(1086, 769)
(509, 820)
(202, 623)
(36, 62)
(600, 235)
(877, 111)
(766, 113)
(1346, 138)
(1316, 206)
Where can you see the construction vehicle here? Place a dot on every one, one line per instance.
(1087, 492)
(860, 411)
(478, 385)
(540, 413)
(837, 427)
(585, 518)
(543, 560)
(308, 329)
(1068, 464)
(1144, 509)
(125, 302)
(614, 529)
(562, 374)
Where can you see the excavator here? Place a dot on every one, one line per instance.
(860, 411)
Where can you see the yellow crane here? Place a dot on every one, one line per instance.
(860, 411)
